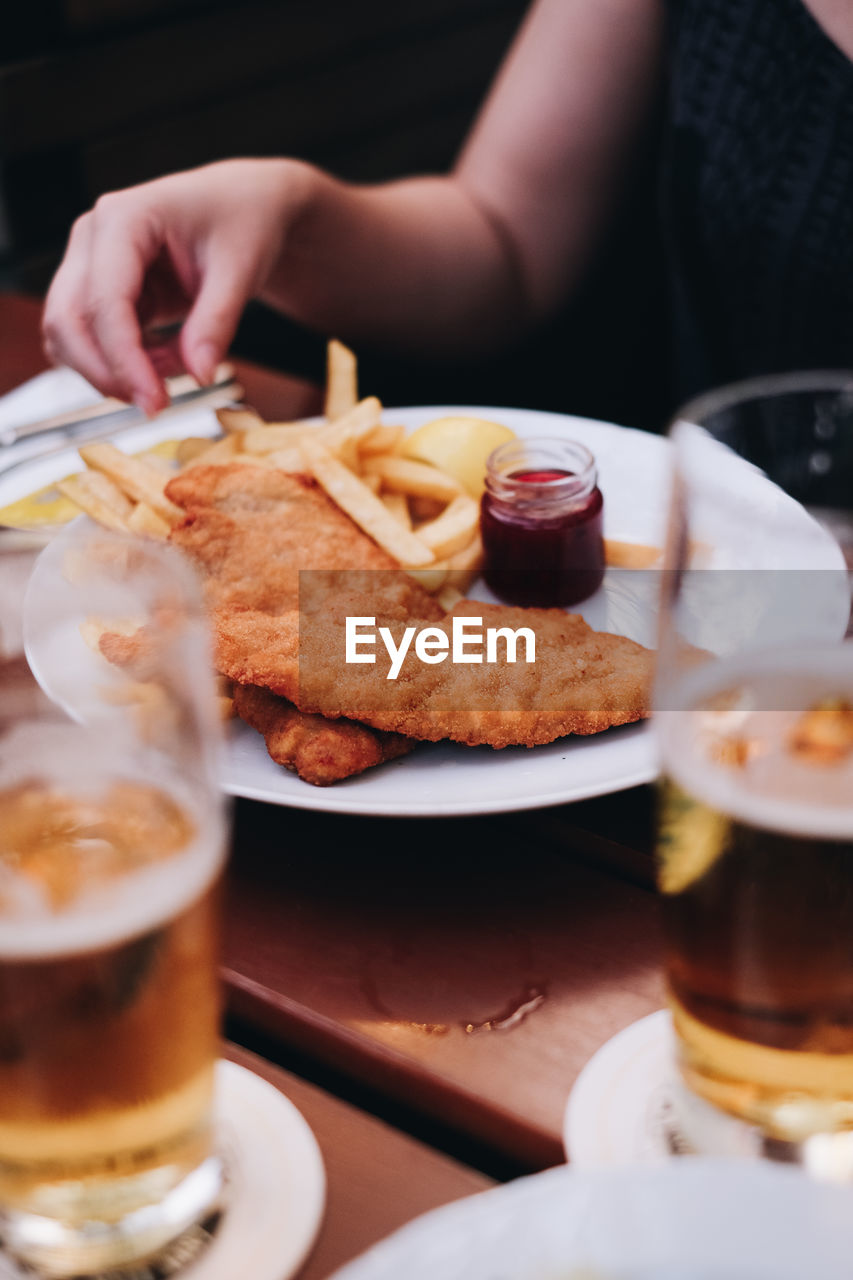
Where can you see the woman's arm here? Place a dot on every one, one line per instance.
(461, 262)
(435, 264)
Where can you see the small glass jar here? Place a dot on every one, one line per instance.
(541, 522)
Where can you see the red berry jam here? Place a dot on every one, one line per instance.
(541, 522)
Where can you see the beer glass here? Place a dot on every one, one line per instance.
(754, 718)
(112, 832)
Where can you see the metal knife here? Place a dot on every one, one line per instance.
(109, 415)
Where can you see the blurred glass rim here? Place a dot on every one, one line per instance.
(701, 408)
(18, 540)
(111, 556)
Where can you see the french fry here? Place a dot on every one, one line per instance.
(239, 420)
(287, 460)
(341, 380)
(454, 573)
(432, 578)
(381, 439)
(225, 697)
(449, 596)
(373, 483)
(136, 478)
(189, 449)
(399, 508)
(155, 714)
(347, 453)
(91, 631)
(145, 520)
(156, 460)
(107, 490)
(135, 692)
(629, 555)
(94, 627)
(219, 451)
(273, 436)
(78, 490)
(358, 422)
(465, 565)
(453, 529)
(364, 507)
(405, 475)
(251, 459)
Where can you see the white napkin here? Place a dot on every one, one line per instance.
(47, 394)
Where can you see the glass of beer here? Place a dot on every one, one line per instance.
(112, 837)
(754, 716)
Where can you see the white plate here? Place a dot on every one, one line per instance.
(445, 779)
(695, 1220)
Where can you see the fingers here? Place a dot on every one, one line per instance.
(140, 257)
(121, 249)
(90, 320)
(226, 287)
(66, 336)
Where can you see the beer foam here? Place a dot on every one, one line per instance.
(117, 910)
(779, 793)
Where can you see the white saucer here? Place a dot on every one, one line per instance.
(628, 1106)
(275, 1194)
(277, 1183)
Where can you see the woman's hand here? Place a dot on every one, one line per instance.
(192, 247)
(437, 266)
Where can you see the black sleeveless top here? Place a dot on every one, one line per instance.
(758, 191)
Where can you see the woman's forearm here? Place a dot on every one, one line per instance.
(414, 265)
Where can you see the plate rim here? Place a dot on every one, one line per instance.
(462, 809)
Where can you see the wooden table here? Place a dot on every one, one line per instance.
(439, 983)
(377, 1178)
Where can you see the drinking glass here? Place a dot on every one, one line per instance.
(754, 717)
(112, 835)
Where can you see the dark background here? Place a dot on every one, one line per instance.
(99, 94)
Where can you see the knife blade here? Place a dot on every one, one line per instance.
(110, 414)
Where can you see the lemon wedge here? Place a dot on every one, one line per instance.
(43, 508)
(459, 446)
(692, 837)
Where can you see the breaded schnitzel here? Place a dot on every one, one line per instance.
(321, 751)
(252, 530)
(582, 681)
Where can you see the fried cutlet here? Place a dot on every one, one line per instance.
(582, 681)
(321, 751)
(252, 531)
